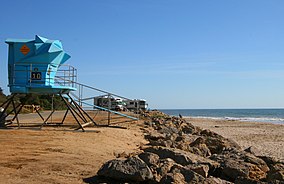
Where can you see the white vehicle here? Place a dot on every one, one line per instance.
(136, 104)
(109, 102)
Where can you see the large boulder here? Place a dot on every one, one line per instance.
(233, 169)
(165, 136)
(168, 130)
(276, 172)
(217, 143)
(161, 169)
(131, 169)
(202, 148)
(149, 158)
(154, 135)
(165, 166)
(244, 180)
(199, 169)
(173, 178)
(189, 175)
(181, 157)
(253, 150)
(188, 128)
(235, 163)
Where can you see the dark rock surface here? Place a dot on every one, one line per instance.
(235, 163)
(131, 169)
(181, 157)
(149, 158)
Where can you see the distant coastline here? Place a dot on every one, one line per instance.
(275, 116)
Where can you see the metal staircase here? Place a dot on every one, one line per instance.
(83, 100)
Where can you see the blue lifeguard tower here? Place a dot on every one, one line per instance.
(37, 66)
(33, 65)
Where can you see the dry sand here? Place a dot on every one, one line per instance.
(59, 154)
(267, 138)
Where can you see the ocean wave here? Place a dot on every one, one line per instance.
(245, 119)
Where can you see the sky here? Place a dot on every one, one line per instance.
(176, 54)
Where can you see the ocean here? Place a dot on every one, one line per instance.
(275, 116)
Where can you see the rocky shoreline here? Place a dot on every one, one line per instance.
(179, 152)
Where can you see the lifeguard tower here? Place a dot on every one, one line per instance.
(37, 66)
(33, 64)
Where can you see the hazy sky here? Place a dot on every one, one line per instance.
(173, 53)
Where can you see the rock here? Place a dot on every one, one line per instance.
(195, 151)
(250, 158)
(173, 178)
(131, 169)
(215, 142)
(199, 140)
(243, 180)
(235, 163)
(183, 153)
(165, 166)
(184, 146)
(169, 130)
(186, 138)
(161, 142)
(189, 175)
(253, 150)
(213, 180)
(184, 143)
(149, 158)
(218, 144)
(268, 160)
(154, 135)
(234, 169)
(179, 138)
(160, 139)
(188, 128)
(181, 157)
(209, 133)
(203, 150)
(199, 169)
(276, 172)
(121, 154)
(161, 169)
(149, 124)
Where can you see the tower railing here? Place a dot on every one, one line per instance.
(30, 75)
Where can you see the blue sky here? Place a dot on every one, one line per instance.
(173, 53)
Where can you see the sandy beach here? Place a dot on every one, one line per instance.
(267, 138)
(62, 155)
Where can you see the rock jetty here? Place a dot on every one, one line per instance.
(179, 152)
